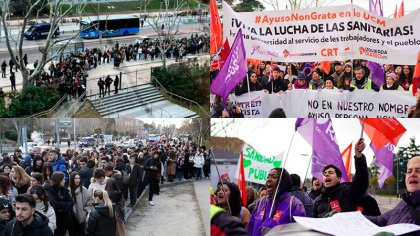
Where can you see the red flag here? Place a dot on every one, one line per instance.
(215, 28)
(383, 130)
(416, 75)
(225, 51)
(254, 62)
(396, 11)
(241, 179)
(326, 66)
(346, 154)
(401, 11)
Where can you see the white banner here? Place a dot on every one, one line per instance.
(325, 34)
(327, 103)
(257, 166)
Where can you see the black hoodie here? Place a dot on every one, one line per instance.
(38, 227)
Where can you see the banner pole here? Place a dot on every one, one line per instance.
(249, 93)
(281, 174)
(218, 173)
(363, 127)
(307, 169)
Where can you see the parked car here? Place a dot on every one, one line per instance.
(109, 146)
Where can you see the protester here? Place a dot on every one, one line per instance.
(83, 200)
(61, 201)
(408, 209)
(229, 198)
(152, 168)
(391, 83)
(28, 221)
(101, 220)
(43, 205)
(6, 213)
(285, 205)
(317, 82)
(316, 188)
(342, 197)
(20, 179)
(298, 193)
(223, 223)
(251, 195)
(249, 85)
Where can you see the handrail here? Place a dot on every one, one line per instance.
(74, 104)
(49, 111)
(191, 101)
(148, 103)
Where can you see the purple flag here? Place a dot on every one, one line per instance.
(376, 73)
(384, 158)
(376, 7)
(319, 133)
(233, 71)
(376, 70)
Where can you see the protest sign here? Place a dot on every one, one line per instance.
(257, 166)
(327, 103)
(325, 34)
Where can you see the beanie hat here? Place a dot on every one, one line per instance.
(27, 158)
(392, 75)
(348, 64)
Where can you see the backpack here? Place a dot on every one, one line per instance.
(125, 176)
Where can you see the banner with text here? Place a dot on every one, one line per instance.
(327, 103)
(257, 166)
(325, 34)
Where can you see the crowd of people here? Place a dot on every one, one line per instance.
(283, 197)
(84, 192)
(343, 75)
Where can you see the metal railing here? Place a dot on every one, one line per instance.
(50, 111)
(180, 98)
(73, 105)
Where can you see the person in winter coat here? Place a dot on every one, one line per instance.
(407, 210)
(61, 201)
(316, 82)
(152, 168)
(198, 164)
(171, 171)
(98, 180)
(116, 84)
(6, 213)
(20, 179)
(224, 223)
(133, 182)
(298, 193)
(344, 78)
(28, 221)
(101, 221)
(101, 85)
(59, 164)
(86, 171)
(342, 197)
(316, 188)
(391, 83)
(108, 82)
(285, 204)
(44, 206)
(83, 204)
(254, 85)
(231, 195)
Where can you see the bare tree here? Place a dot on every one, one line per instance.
(166, 25)
(56, 16)
(297, 4)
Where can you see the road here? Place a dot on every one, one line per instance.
(177, 211)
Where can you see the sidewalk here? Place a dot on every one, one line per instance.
(134, 73)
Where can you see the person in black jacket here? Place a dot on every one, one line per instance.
(61, 201)
(101, 85)
(277, 83)
(342, 197)
(316, 188)
(298, 193)
(368, 205)
(28, 222)
(254, 85)
(13, 81)
(3, 69)
(116, 84)
(85, 171)
(101, 221)
(108, 82)
(6, 213)
(152, 168)
(133, 182)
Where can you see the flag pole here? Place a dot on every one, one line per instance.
(249, 93)
(363, 127)
(307, 169)
(218, 173)
(281, 174)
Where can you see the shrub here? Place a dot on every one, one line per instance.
(30, 101)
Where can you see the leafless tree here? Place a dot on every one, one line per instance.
(56, 15)
(297, 4)
(166, 25)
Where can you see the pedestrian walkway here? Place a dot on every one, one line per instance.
(177, 205)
